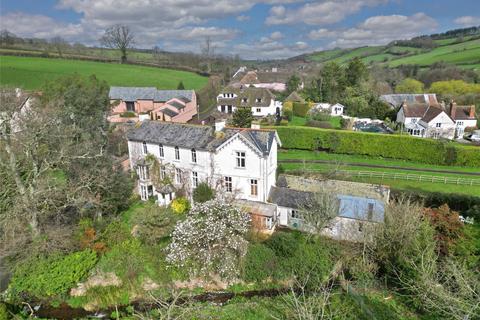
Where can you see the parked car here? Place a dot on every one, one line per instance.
(474, 136)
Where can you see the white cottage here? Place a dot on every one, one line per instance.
(260, 101)
(426, 121)
(334, 110)
(360, 205)
(241, 162)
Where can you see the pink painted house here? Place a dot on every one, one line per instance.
(149, 102)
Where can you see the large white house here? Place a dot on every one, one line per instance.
(436, 121)
(260, 101)
(425, 121)
(172, 158)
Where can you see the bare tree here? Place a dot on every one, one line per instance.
(118, 37)
(59, 44)
(318, 211)
(208, 52)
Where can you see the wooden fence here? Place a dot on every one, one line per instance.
(409, 176)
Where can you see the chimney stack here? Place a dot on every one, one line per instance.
(472, 111)
(453, 109)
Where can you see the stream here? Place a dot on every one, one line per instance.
(66, 312)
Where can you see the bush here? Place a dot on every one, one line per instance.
(288, 114)
(372, 144)
(300, 109)
(180, 205)
(128, 114)
(464, 204)
(283, 122)
(284, 244)
(260, 263)
(320, 116)
(203, 193)
(55, 275)
(319, 124)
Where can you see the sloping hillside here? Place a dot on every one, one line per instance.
(460, 50)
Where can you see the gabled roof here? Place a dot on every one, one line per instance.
(199, 137)
(147, 93)
(249, 93)
(431, 113)
(424, 112)
(414, 111)
(290, 198)
(295, 97)
(396, 100)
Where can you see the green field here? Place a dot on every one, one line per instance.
(339, 162)
(465, 54)
(30, 73)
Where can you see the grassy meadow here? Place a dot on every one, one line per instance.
(31, 72)
(465, 54)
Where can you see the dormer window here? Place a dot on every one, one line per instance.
(244, 100)
(258, 100)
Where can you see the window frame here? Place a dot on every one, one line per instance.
(178, 176)
(161, 151)
(177, 153)
(228, 181)
(194, 179)
(241, 159)
(144, 147)
(254, 187)
(194, 155)
(438, 125)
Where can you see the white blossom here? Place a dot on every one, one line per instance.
(211, 240)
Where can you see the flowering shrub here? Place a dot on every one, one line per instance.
(180, 205)
(211, 240)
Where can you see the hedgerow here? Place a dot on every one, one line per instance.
(389, 146)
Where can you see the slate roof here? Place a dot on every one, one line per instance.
(169, 112)
(198, 137)
(396, 100)
(147, 93)
(249, 93)
(176, 105)
(290, 198)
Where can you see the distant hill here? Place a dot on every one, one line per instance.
(460, 47)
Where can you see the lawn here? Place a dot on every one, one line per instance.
(339, 163)
(300, 122)
(31, 72)
(314, 155)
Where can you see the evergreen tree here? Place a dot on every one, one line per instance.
(180, 86)
(242, 118)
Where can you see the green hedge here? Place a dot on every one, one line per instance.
(382, 145)
(300, 109)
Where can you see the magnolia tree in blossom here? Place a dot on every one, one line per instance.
(211, 240)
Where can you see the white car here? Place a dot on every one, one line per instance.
(474, 136)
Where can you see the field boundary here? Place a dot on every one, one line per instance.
(361, 164)
(404, 176)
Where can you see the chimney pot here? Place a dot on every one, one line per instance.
(472, 111)
(453, 109)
